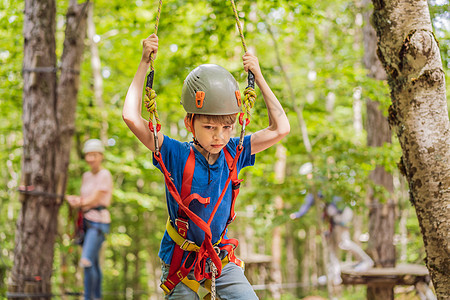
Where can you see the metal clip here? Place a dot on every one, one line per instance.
(186, 244)
(186, 223)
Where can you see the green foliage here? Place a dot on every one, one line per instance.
(440, 16)
(320, 50)
(11, 18)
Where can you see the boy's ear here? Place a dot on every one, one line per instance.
(187, 123)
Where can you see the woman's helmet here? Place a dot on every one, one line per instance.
(93, 145)
(211, 90)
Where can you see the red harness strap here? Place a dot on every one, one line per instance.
(177, 271)
(79, 223)
(235, 183)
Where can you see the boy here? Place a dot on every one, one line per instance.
(211, 99)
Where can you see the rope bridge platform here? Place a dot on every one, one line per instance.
(402, 274)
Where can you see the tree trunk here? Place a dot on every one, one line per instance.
(314, 256)
(382, 211)
(97, 74)
(410, 55)
(291, 258)
(69, 81)
(48, 122)
(404, 215)
(277, 278)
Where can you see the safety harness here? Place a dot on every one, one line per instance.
(81, 225)
(207, 254)
(177, 230)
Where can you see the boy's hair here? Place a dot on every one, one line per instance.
(221, 119)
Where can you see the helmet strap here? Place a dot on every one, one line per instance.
(193, 132)
(196, 142)
(192, 126)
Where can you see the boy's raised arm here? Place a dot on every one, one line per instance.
(132, 107)
(278, 122)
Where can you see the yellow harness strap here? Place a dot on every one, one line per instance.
(190, 246)
(184, 244)
(191, 283)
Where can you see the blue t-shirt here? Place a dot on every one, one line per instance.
(174, 155)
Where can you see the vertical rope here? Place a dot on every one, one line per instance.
(238, 23)
(156, 31)
(150, 94)
(213, 280)
(249, 92)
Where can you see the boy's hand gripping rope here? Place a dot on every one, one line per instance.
(249, 92)
(150, 94)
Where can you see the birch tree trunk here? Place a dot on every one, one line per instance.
(48, 125)
(410, 55)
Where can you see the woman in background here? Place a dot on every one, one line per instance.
(96, 194)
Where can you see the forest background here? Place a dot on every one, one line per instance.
(318, 44)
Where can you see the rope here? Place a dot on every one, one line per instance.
(150, 104)
(238, 23)
(213, 280)
(249, 100)
(49, 70)
(156, 30)
(30, 190)
(249, 92)
(11, 295)
(150, 94)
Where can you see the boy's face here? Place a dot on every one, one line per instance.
(212, 135)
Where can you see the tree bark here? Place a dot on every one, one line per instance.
(97, 75)
(410, 55)
(69, 82)
(48, 122)
(382, 211)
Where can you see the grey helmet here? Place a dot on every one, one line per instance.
(93, 145)
(211, 90)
